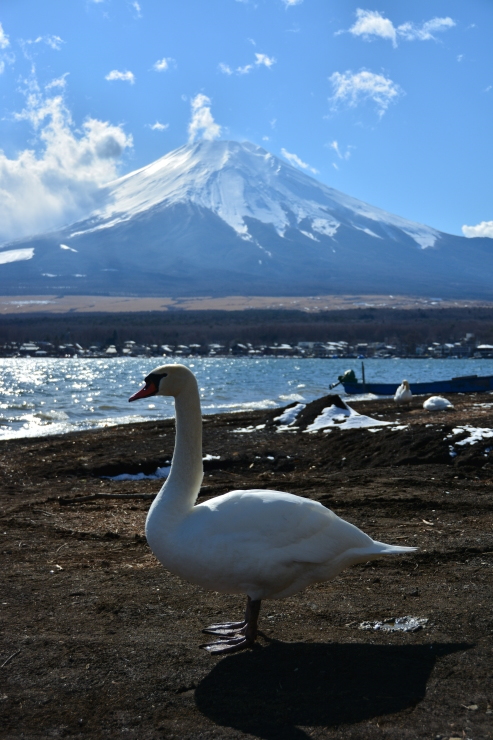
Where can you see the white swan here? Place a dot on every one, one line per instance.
(437, 403)
(403, 393)
(265, 544)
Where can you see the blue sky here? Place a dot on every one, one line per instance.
(389, 102)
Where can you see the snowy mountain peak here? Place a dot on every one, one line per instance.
(238, 181)
(228, 218)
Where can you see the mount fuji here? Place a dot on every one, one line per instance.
(227, 218)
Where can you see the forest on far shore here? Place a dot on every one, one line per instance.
(404, 328)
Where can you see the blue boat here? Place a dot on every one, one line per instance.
(461, 384)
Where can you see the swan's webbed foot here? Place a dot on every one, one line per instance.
(228, 629)
(233, 645)
(242, 635)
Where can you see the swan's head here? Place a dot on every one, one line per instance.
(167, 380)
(405, 383)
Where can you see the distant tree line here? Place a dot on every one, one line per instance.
(405, 327)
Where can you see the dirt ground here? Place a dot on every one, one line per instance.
(99, 641)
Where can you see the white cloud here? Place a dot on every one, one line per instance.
(124, 76)
(60, 82)
(225, 68)
(265, 60)
(244, 70)
(4, 39)
(261, 60)
(54, 42)
(163, 64)
(137, 8)
(371, 23)
(202, 120)
(294, 159)
(485, 228)
(353, 89)
(411, 31)
(290, 3)
(57, 181)
(342, 155)
(460, 57)
(158, 126)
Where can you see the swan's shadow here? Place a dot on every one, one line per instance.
(273, 691)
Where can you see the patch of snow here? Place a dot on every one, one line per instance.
(345, 418)
(207, 458)
(289, 415)
(248, 430)
(309, 235)
(476, 434)
(322, 226)
(157, 475)
(398, 624)
(16, 255)
(368, 231)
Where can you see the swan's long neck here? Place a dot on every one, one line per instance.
(179, 493)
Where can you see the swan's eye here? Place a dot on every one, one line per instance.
(155, 378)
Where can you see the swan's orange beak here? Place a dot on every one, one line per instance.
(148, 390)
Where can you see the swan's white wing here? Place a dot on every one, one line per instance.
(281, 524)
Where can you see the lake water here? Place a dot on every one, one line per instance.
(40, 396)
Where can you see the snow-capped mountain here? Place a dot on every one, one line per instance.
(222, 217)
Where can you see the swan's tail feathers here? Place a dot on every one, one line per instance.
(381, 548)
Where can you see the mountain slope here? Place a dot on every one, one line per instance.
(219, 218)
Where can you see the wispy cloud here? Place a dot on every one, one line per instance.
(137, 8)
(57, 180)
(4, 39)
(202, 123)
(244, 70)
(163, 64)
(294, 159)
(426, 31)
(371, 23)
(485, 228)
(126, 76)
(158, 126)
(290, 3)
(54, 42)
(225, 68)
(261, 60)
(60, 82)
(353, 89)
(334, 145)
(6, 56)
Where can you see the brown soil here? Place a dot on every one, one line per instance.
(46, 304)
(99, 641)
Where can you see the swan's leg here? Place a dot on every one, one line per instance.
(229, 629)
(246, 635)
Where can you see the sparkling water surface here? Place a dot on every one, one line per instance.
(40, 396)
